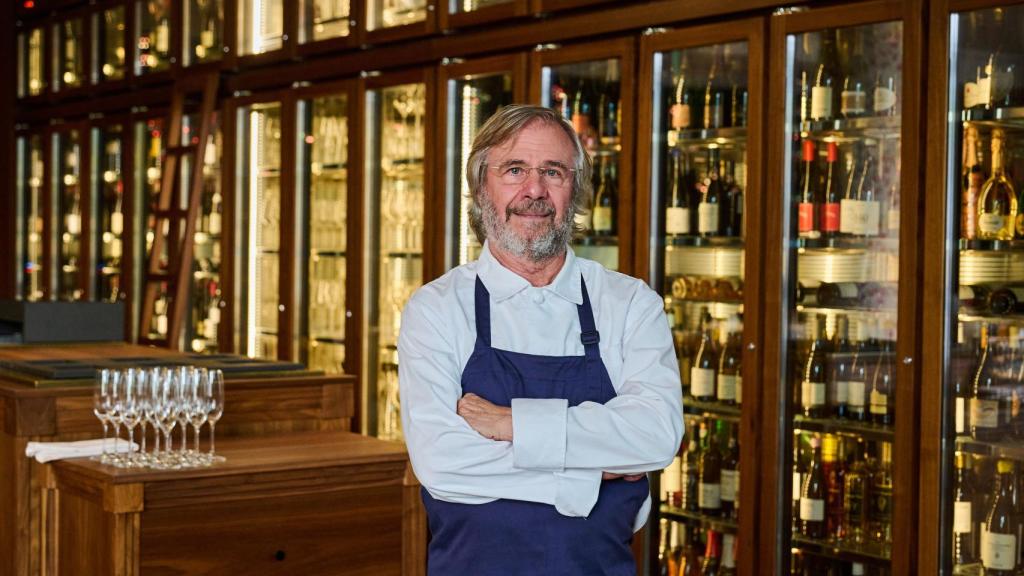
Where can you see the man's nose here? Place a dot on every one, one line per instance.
(535, 186)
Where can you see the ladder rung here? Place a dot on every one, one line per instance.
(170, 213)
(159, 276)
(179, 150)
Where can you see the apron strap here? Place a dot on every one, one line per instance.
(588, 330)
(482, 307)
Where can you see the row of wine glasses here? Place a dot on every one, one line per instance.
(162, 398)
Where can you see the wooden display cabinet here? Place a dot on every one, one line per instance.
(402, 22)
(493, 11)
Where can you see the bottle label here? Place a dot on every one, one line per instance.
(842, 392)
(830, 217)
(962, 522)
(976, 93)
(821, 102)
(853, 102)
(215, 223)
(728, 551)
(680, 116)
(707, 218)
(116, 222)
(74, 223)
(739, 389)
(726, 388)
(730, 485)
(961, 413)
(115, 248)
(991, 224)
(812, 510)
(984, 413)
(999, 551)
(602, 219)
(702, 381)
(163, 37)
(879, 402)
(812, 394)
(969, 212)
(214, 314)
(677, 220)
(848, 216)
(855, 394)
(709, 496)
(805, 217)
(847, 290)
(870, 217)
(885, 99)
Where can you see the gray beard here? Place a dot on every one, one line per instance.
(551, 243)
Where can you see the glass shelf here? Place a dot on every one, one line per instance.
(1012, 117)
(848, 552)
(1011, 448)
(696, 518)
(874, 243)
(691, 241)
(852, 129)
(724, 137)
(863, 429)
(729, 412)
(965, 244)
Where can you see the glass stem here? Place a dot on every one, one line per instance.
(195, 430)
(143, 449)
(131, 443)
(106, 427)
(184, 438)
(212, 438)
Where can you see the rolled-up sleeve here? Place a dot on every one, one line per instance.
(451, 460)
(639, 430)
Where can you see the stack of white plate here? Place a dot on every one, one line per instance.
(977, 267)
(712, 261)
(846, 266)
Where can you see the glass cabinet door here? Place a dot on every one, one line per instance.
(260, 26)
(204, 30)
(67, 194)
(30, 217)
(323, 19)
(260, 180)
(587, 94)
(205, 298)
(154, 43)
(462, 6)
(148, 160)
(108, 32)
(31, 77)
(108, 187)
(471, 100)
(841, 190)
(699, 155)
(68, 54)
(984, 370)
(324, 184)
(395, 142)
(394, 13)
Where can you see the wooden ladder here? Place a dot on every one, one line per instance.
(175, 227)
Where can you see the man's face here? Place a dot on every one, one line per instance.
(534, 218)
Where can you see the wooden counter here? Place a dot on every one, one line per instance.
(264, 405)
(305, 503)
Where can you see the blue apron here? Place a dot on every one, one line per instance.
(514, 537)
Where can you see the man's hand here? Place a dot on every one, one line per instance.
(626, 477)
(490, 420)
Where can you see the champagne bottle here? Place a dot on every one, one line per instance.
(807, 225)
(986, 417)
(709, 209)
(880, 511)
(999, 540)
(690, 466)
(830, 212)
(702, 374)
(709, 488)
(712, 556)
(840, 373)
(606, 200)
(973, 180)
(997, 206)
(964, 537)
(855, 489)
(882, 384)
(813, 383)
(812, 496)
(731, 475)
(677, 215)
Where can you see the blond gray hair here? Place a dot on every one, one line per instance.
(505, 125)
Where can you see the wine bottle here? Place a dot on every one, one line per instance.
(822, 93)
(731, 475)
(702, 374)
(870, 210)
(664, 548)
(964, 537)
(690, 466)
(830, 215)
(709, 488)
(856, 388)
(799, 472)
(840, 294)
(884, 97)
(728, 565)
(812, 496)
(986, 416)
(679, 112)
(581, 109)
(999, 540)
(964, 360)
(974, 299)
(1008, 299)
(606, 200)
(849, 206)
(709, 209)
(671, 483)
(882, 384)
(712, 555)
(807, 225)
(735, 181)
(677, 215)
(973, 180)
(675, 554)
(855, 487)
(813, 383)
(997, 206)
(714, 97)
(854, 97)
(163, 37)
(839, 376)
(835, 473)
(880, 511)
(728, 365)
(805, 100)
(608, 110)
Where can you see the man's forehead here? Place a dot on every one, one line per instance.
(535, 138)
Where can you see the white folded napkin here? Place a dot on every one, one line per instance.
(47, 451)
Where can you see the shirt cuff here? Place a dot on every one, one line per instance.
(538, 433)
(577, 491)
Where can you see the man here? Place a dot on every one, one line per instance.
(537, 388)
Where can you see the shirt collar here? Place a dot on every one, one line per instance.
(503, 283)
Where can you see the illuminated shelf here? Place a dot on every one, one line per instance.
(1007, 448)
(864, 429)
(696, 518)
(693, 241)
(991, 245)
(851, 129)
(591, 240)
(867, 553)
(702, 137)
(1012, 117)
(848, 243)
(729, 412)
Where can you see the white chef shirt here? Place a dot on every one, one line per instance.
(558, 453)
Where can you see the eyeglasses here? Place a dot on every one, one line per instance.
(517, 174)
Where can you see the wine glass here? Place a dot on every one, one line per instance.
(197, 414)
(128, 413)
(214, 408)
(101, 406)
(182, 397)
(164, 411)
(115, 394)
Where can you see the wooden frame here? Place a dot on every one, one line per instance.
(51, 211)
(753, 32)
(57, 87)
(510, 9)
(356, 32)
(235, 57)
(386, 35)
(512, 64)
(623, 49)
(543, 6)
(46, 30)
(777, 445)
(100, 85)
